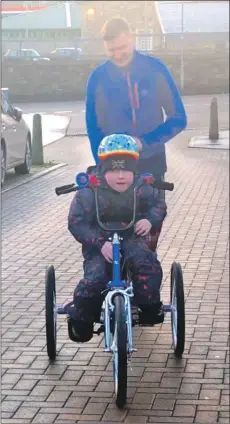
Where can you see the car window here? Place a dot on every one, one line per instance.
(6, 107)
(20, 53)
(33, 53)
(12, 53)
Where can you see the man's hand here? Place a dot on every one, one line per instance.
(143, 227)
(139, 144)
(107, 251)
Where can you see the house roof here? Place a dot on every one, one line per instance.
(202, 16)
(53, 17)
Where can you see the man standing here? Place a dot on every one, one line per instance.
(129, 94)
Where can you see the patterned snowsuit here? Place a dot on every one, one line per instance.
(115, 208)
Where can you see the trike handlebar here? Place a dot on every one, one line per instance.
(66, 189)
(159, 184)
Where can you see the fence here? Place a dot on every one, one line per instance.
(144, 42)
(157, 44)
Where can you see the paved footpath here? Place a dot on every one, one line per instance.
(78, 388)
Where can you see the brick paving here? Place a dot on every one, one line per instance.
(14, 180)
(78, 388)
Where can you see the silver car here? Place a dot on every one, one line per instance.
(25, 54)
(16, 145)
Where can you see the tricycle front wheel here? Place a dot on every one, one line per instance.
(120, 351)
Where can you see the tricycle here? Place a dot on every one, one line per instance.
(118, 315)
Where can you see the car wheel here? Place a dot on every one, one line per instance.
(26, 166)
(3, 164)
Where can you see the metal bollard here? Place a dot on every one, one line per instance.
(37, 145)
(214, 122)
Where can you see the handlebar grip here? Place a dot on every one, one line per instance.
(163, 185)
(66, 189)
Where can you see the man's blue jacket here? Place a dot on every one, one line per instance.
(132, 101)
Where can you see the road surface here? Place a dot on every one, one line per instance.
(197, 108)
(53, 127)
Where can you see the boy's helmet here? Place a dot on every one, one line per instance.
(118, 145)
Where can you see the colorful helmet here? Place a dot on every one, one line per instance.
(118, 145)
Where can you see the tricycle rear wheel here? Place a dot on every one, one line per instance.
(51, 326)
(178, 312)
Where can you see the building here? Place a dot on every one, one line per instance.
(65, 24)
(141, 15)
(204, 24)
(11, 8)
(194, 16)
(43, 29)
(19, 4)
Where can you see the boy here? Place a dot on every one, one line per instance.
(118, 156)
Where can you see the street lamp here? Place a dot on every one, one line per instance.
(90, 18)
(91, 12)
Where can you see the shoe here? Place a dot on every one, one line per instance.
(79, 331)
(75, 337)
(151, 315)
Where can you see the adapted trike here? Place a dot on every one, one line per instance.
(118, 315)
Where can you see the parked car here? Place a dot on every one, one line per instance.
(66, 52)
(16, 145)
(24, 54)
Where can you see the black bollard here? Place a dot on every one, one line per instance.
(37, 145)
(214, 122)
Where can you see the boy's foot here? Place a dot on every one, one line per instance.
(151, 315)
(79, 331)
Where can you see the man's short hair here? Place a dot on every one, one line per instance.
(115, 27)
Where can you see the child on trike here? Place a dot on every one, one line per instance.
(111, 215)
(119, 186)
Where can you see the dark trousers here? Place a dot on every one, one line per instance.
(147, 278)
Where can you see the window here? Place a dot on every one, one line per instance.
(12, 53)
(19, 34)
(61, 52)
(30, 53)
(6, 107)
(33, 33)
(144, 39)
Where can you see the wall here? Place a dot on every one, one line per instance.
(205, 73)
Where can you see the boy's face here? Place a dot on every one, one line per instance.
(119, 180)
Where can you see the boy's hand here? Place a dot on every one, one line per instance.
(143, 227)
(107, 251)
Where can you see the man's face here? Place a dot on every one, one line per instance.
(120, 49)
(119, 180)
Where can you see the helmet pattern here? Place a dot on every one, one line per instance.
(118, 145)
